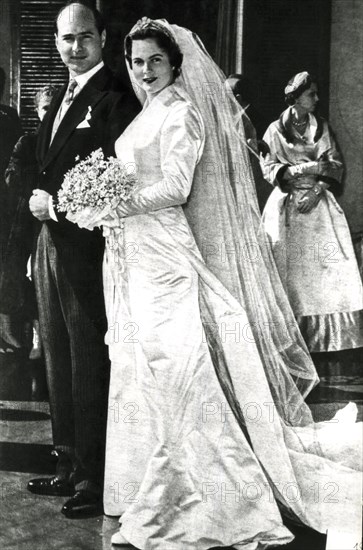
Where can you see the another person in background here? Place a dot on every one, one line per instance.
(21, 173)
(10, 131)
(309, 233)
(244, 92)
(241, 90)
(17, 297)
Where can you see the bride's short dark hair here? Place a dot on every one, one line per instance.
(164, 40)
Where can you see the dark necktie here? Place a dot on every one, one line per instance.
(68, 98)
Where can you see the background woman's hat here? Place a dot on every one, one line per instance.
(296, 81)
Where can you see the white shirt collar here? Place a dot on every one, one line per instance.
(82, 79)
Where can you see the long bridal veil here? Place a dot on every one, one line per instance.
(258, 352)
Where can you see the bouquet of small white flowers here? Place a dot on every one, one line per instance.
(94, 186)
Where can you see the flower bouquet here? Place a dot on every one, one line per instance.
(92, 189)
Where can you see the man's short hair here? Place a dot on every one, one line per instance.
(98, 17)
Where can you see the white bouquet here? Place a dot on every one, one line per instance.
(93, 188)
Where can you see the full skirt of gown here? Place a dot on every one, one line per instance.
(316, 262)
(182, 470)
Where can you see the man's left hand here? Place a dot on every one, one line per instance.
(39, 204)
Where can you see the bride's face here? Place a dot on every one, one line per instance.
(151, 66)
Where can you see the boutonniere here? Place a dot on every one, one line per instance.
(89, 113)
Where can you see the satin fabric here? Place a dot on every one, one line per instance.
(170, 462)
(196, 451)
(313, 252)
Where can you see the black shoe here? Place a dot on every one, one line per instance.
(83, 504)
(51, 486)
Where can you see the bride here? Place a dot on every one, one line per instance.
(209, 439)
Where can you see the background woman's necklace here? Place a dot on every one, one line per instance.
(300, 127)
(300, 124)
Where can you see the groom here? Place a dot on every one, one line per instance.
(88, 113)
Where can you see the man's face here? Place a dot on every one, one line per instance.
(78, 40)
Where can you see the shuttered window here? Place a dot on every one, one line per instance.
(40, 63)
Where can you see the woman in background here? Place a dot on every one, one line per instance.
(310, 237)
(10, 131)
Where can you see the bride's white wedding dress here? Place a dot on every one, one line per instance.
(197, 453)
(170, 462)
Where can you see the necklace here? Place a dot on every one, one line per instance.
(299, 124)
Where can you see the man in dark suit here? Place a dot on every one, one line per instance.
(87, 114)
(10, 132)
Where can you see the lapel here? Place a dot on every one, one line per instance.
(45, 129)
(89, 96)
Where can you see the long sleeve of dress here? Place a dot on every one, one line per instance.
(273, 165)
(181, 146)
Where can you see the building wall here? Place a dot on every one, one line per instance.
(346, 102)
(282, 38)
(5, 47)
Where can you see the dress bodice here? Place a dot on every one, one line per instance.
(163, 145)
(310, 146)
